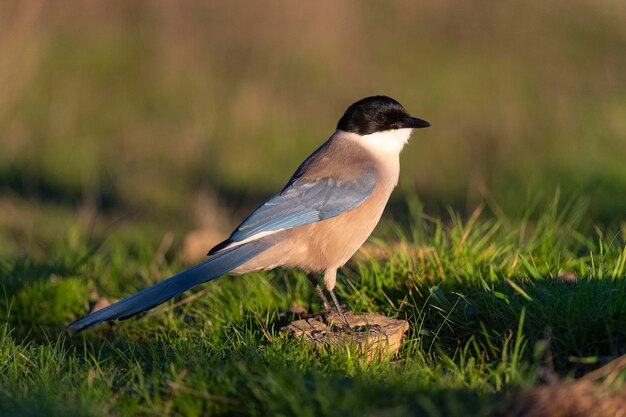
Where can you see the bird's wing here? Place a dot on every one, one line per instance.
(304, 201)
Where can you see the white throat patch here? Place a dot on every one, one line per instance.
(388, 142)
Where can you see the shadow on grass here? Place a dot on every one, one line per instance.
(579, 325)
(31, 183)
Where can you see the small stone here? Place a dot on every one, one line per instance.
(197, 244)
(376, 336)
(568, 278)
(100, 303)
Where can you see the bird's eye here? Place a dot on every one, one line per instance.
(380, 118)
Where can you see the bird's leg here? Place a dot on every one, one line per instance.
(313, 278)
(341, 315)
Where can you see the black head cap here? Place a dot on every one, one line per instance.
(377, 114)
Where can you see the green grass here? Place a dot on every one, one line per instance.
(480, 295)
(120, 123)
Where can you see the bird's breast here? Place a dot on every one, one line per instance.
(332, 242)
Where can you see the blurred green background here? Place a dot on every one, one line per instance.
(184, 114)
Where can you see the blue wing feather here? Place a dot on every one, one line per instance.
(305, 201)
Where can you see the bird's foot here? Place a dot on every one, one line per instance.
(346, 326)
(337, 321)
(340, 328)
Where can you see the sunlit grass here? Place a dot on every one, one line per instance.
(123, 122)
(483, 297)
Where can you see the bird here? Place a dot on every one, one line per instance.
(320, 218)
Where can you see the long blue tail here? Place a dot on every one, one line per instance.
(148, 298)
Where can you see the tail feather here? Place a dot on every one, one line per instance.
(151, 297)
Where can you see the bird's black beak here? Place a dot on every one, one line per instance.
(414, 123)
